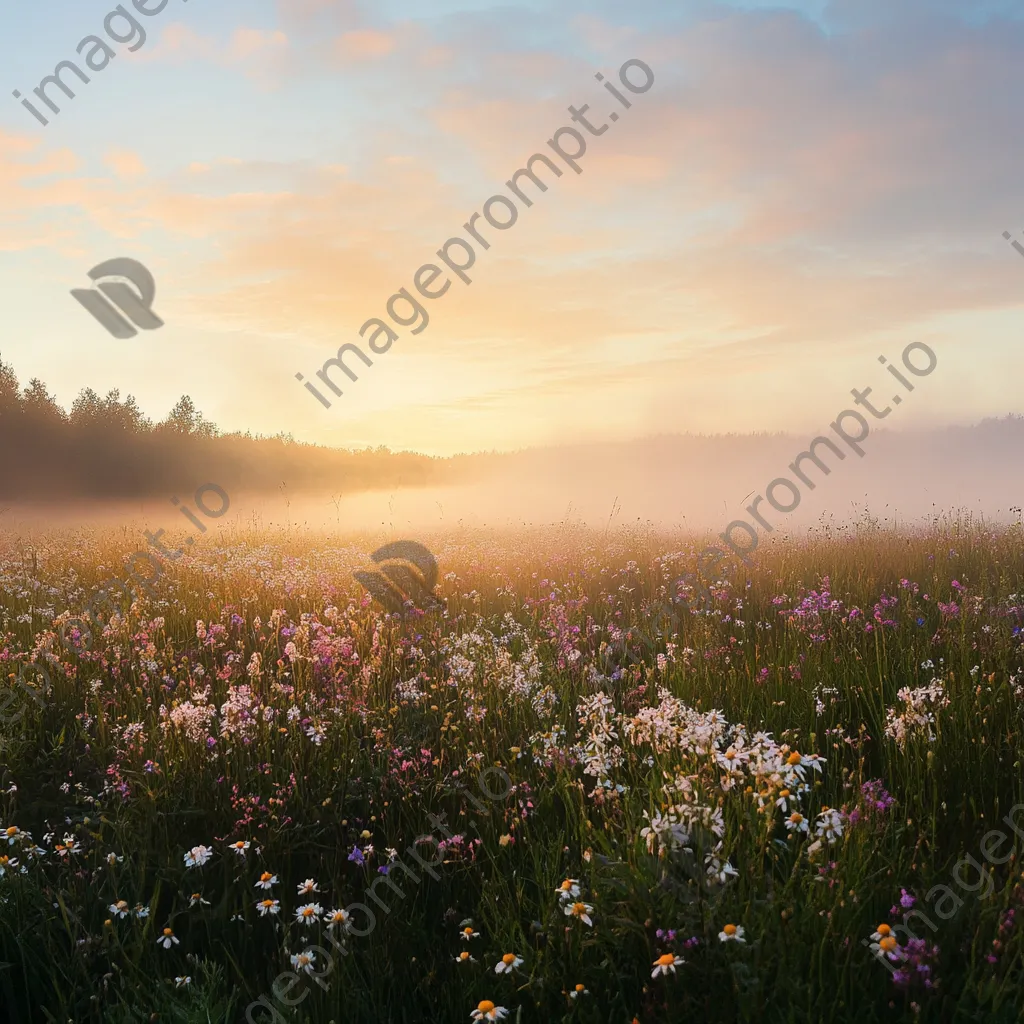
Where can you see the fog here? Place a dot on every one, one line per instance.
(686, 483)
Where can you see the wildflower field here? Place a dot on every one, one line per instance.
(575, 794)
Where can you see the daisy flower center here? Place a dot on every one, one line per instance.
(485, 1006)
(508, 958)
(729, 929)
(665, 959)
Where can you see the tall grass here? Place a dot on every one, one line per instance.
(393, 717)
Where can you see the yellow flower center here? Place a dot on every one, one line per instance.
(579, 988)
(12, 831)
(888, 944)
(793, 758)
(784, 792)
(579, 908)
(467, 931)
(463, 955)
(566, 885)
(796, 818)
(884, 929)
(266, 876)
(168, 931)
(665, 959)
(729, 929)
(307, 911)
(730, 754)
(508, 958)
(485, 1006)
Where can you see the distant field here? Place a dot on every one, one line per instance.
(255, 780)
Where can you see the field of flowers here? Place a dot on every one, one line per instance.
(258, 796)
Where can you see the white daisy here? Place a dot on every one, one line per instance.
(569, 889)
(508, 963)
(308, 914)
(579, 910)
(486, 1010)
(732, 933)
(340, 918)
(665, 963)
(304, 961)
(167, 939)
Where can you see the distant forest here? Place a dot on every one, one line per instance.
(107, 448)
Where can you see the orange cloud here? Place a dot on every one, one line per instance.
(365, 43)
(125, 164)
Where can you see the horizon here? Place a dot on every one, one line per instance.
(782, 202)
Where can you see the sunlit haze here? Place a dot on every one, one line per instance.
(802, 189)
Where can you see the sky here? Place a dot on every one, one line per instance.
(801, 189)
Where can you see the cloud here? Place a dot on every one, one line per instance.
(365, 43)
(125, 164)
(249, 42)
(178, 43)
(781, 192)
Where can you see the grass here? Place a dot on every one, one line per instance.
(300, 718)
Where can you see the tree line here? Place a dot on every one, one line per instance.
(108, 448)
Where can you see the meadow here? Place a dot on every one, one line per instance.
(591, 812)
